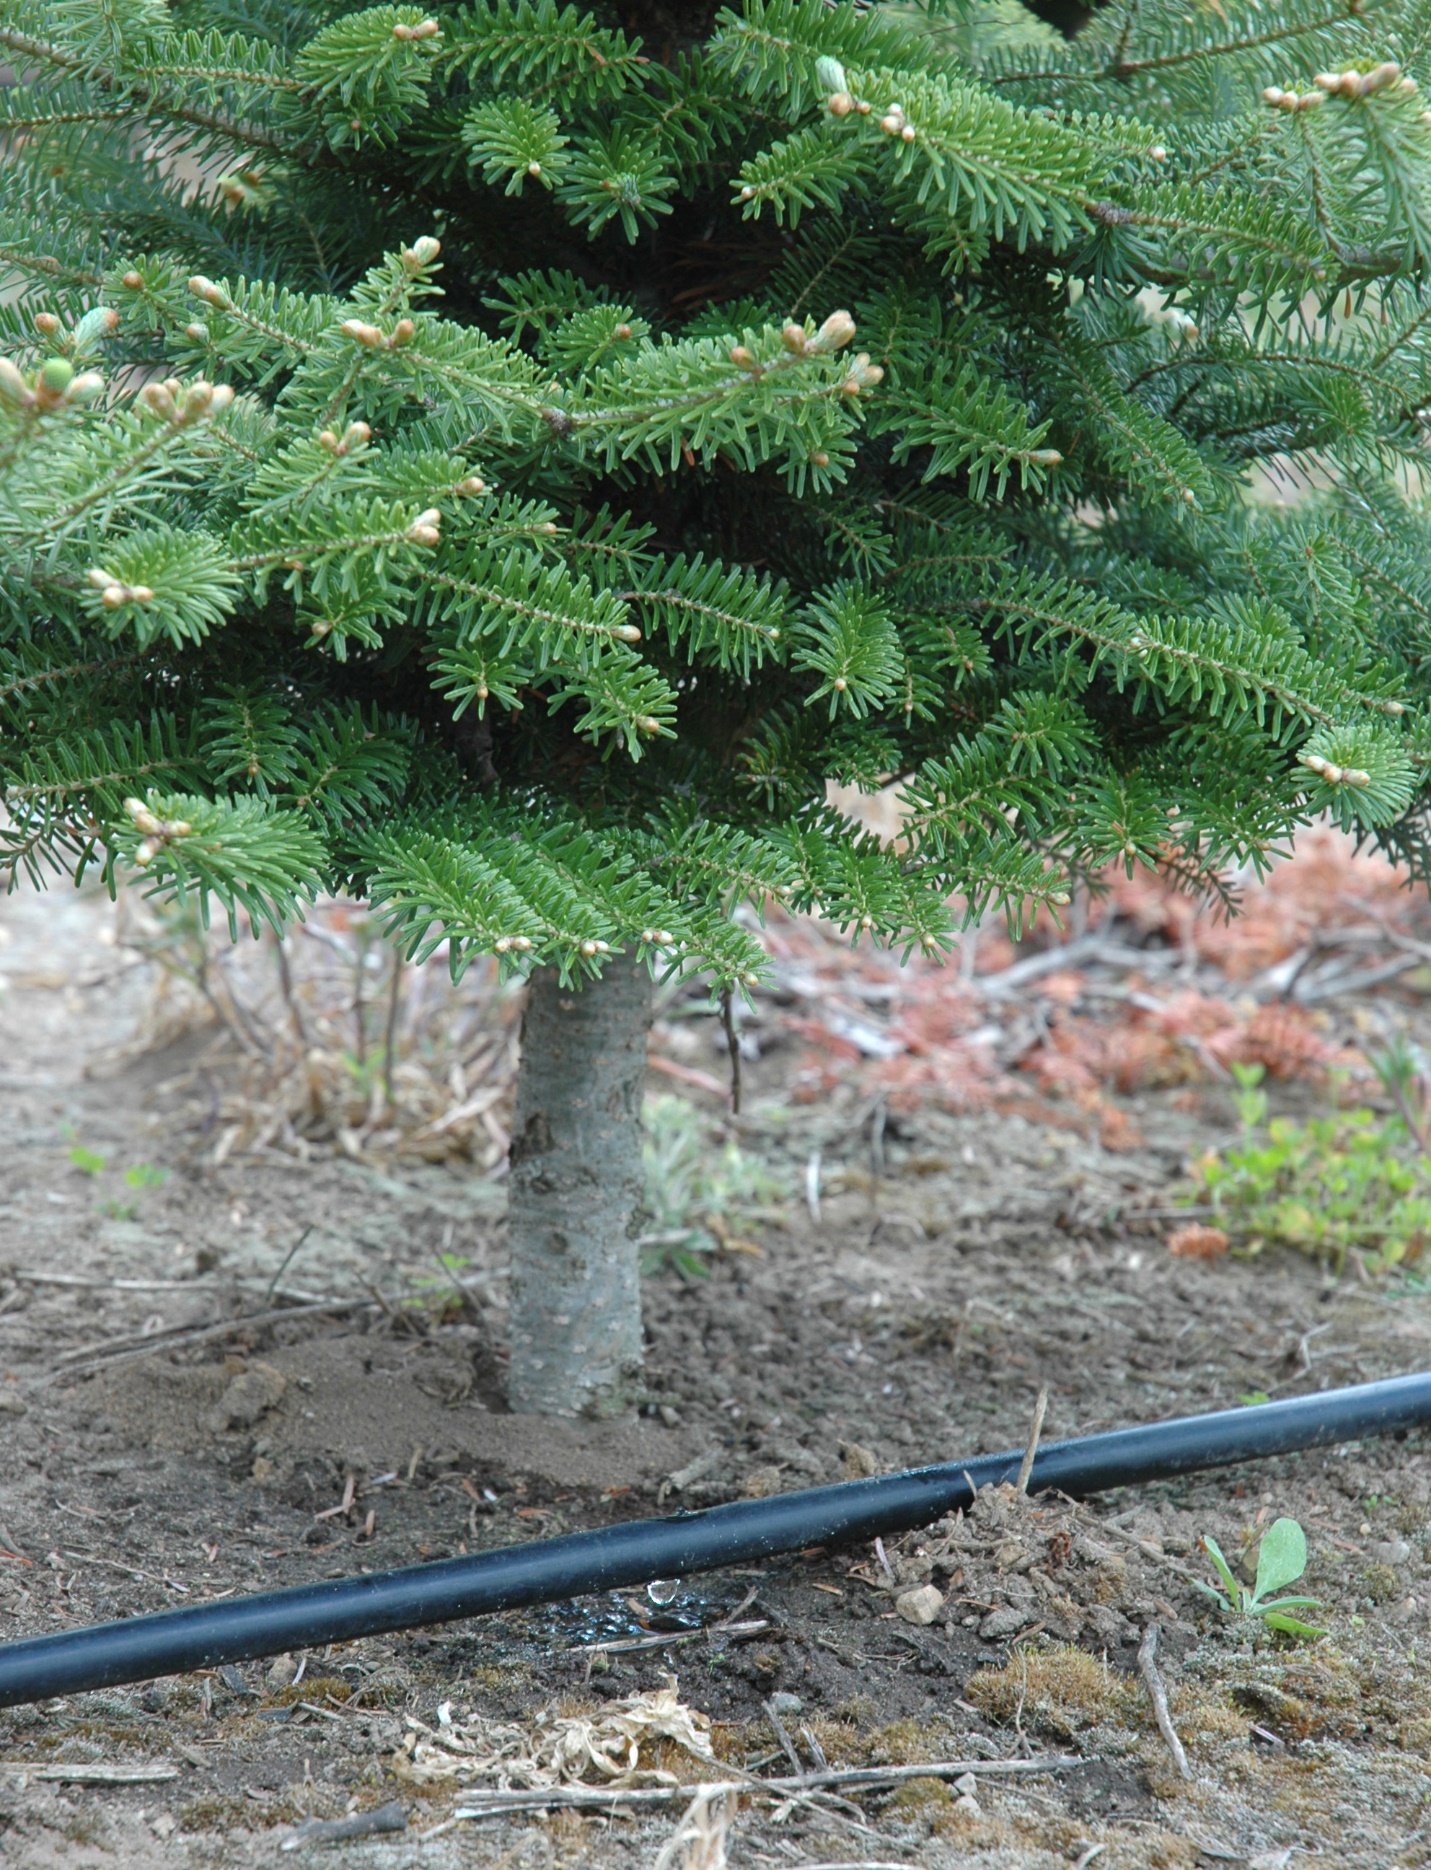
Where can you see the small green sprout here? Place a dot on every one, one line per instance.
(1281, 1560)
(138, 1176)
(146, 1175)
(700, 1199)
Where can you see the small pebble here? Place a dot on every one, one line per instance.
(857, 1462)
(1000, 1623)
(921, 1605)
(786, 1704)
(761, 1483)
(1391, 1552)
(280, 1672)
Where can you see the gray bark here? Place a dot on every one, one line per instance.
(577, 1188)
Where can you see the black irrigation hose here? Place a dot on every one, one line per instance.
(548, 1570)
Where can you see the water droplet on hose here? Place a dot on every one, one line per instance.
(663, 1590)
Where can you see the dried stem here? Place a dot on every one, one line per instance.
(732, 1046)
(1026, 1465)
(390, 1031)
(1158, 1695)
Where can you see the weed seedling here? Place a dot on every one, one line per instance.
(700, 1199)
(1281, 1560)
(140, 1176)
(1354, 1182)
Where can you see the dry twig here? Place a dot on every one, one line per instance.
(1026, 1465)
(390, 1817)
(96, 1773)
(787, 1745)
(1158, 1695)
(121, 1349)
(611, 1798)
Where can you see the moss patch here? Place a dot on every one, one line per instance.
(1060, 1690)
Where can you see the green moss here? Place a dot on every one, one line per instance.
(1382, 1584)
(919, 1798)
(902, 1743)
(1060, 1689)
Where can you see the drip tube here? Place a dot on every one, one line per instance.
(548, 1570)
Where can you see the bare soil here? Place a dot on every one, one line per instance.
(958, 1264)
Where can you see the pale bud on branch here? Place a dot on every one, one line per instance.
(13, 387)
(836, 332)
(206, 290)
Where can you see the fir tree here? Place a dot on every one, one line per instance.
(506, 460)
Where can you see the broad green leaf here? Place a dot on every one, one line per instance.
(1282, 1558)
(1289, 1626)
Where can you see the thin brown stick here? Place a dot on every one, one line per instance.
(671, 1640)
(288, 1260)
(1026, 1465)
(1158, 1695)
(390, 1032)
(360, 1047)
(787, 1745)
(170, 1340)
(285, 982)
(390, 1817)
(732, 1046)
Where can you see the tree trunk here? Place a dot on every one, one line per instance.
(577, 1187)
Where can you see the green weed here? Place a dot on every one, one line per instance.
(1350, 1182)
(139, 1176)
(699, 1199)
(1281, 1560)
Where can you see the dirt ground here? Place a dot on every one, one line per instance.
(958, 1264)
